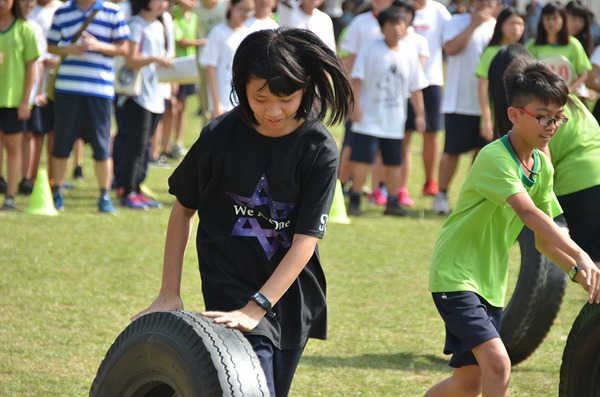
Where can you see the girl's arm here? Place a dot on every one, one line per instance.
(592, 76)
(40, 99)
(178, 236)
(211, 76)
(183, 43)
(577, 83)
(556, 245)
(134, 60)
(248, 317)
(486, 130)
(23, 111)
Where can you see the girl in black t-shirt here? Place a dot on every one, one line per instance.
(262, 179)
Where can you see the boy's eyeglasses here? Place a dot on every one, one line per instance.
(545, 121)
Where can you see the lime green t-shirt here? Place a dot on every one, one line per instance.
(342, 53)
(575, 150)
(485, 61)
(471, 253)
(184, 29)
(573, 51)
(17, 47)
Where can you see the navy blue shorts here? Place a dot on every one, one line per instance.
(186, 90)
(582, 212)
(470, 321)
(462, 134)
(34, 124)
(47, 115)
(10, 123)
(349, 135)
(432, 99)
(82, 116)
(365, 147)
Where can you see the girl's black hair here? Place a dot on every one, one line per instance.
(391, 14)
(549, 9)
(577, 9)
(517, 79)
(138, 5)
(291, 60)
(231, 4)
(16, 10)
(504, 15)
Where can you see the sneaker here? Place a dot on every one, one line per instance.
(105, 205)
(78, 174)
(440, 204)
(26, 186)
(178, 150)
(59, 201)
(431, 188)
(354, 204)
(377, 198)
(148, 201)
(133, 201)
(3, 185)
(68, 185)
(9, 204)
(396, 209)
(404, 197)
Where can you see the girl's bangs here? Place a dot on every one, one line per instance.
(281, 79)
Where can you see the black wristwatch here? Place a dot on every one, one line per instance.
(263, 302)
(576, 269)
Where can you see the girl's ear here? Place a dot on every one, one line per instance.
(513, 114)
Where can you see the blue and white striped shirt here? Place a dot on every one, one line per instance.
(91, 73)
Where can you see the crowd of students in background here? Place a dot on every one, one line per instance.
(149, 33)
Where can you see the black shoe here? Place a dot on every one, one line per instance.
(26, 186)
(3, 185)
(78, 174)
(396, 209)
(354, 204)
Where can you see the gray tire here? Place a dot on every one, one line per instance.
(168, 354)
(535, 302)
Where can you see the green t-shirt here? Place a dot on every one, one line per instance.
(471, 253)
(486, 59)
(17, 47)
(184, 29)
(575, 150)
(342, 53)
(573, 51)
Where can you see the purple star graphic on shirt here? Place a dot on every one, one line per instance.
(270, 238)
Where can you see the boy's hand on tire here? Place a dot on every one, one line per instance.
(162, 303)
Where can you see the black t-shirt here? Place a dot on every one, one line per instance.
(252, 194)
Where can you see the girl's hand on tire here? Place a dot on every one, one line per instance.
(589, 279)
(245, 319)
(162, 303)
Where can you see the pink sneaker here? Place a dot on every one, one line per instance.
(377, 198)
(404, 197)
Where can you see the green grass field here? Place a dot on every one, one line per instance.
(68, 285)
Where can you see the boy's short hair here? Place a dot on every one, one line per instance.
(527, 80)
(391, 14)
(408, 5)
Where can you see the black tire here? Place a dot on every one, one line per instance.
(580, 369)
(535, 301)
(168, 354)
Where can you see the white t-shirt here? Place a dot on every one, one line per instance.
(152, 45)
(416, 41)
(461, 95)
(319, 23)
(595, 58)
(165, 88)
(125, 6)
(429, 23)
(388, 77)
(260, 24)
(43, 47)
(43, 16)
(363, 29)
(218, 52)
(208, 19)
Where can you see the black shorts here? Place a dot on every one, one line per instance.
(47, 116)
(82, 116)
(462, 133)
(349, 135)
(582, 212)
(10, 123)
(470, 320)
(365, 147)
(432, 99)
(186, 90)
(34, 124)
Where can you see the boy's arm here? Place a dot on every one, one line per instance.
(556, 245)
(288, 270)
(178, 236)
(416, 99)
(91, 43)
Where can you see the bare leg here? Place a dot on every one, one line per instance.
(447, 169)
(406, 160)
(26, 157)
(430, 151)
(346, 166)
(103, 171)
(360, 175)
(464, 382)
(13, 161)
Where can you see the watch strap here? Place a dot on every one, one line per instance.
(576, 269)
(263, 302)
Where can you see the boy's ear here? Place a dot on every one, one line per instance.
(512, 114)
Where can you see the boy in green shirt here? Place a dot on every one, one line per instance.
(510, 184)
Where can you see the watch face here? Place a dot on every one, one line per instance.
(258, 298)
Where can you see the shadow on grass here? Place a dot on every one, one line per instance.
(400, 361)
